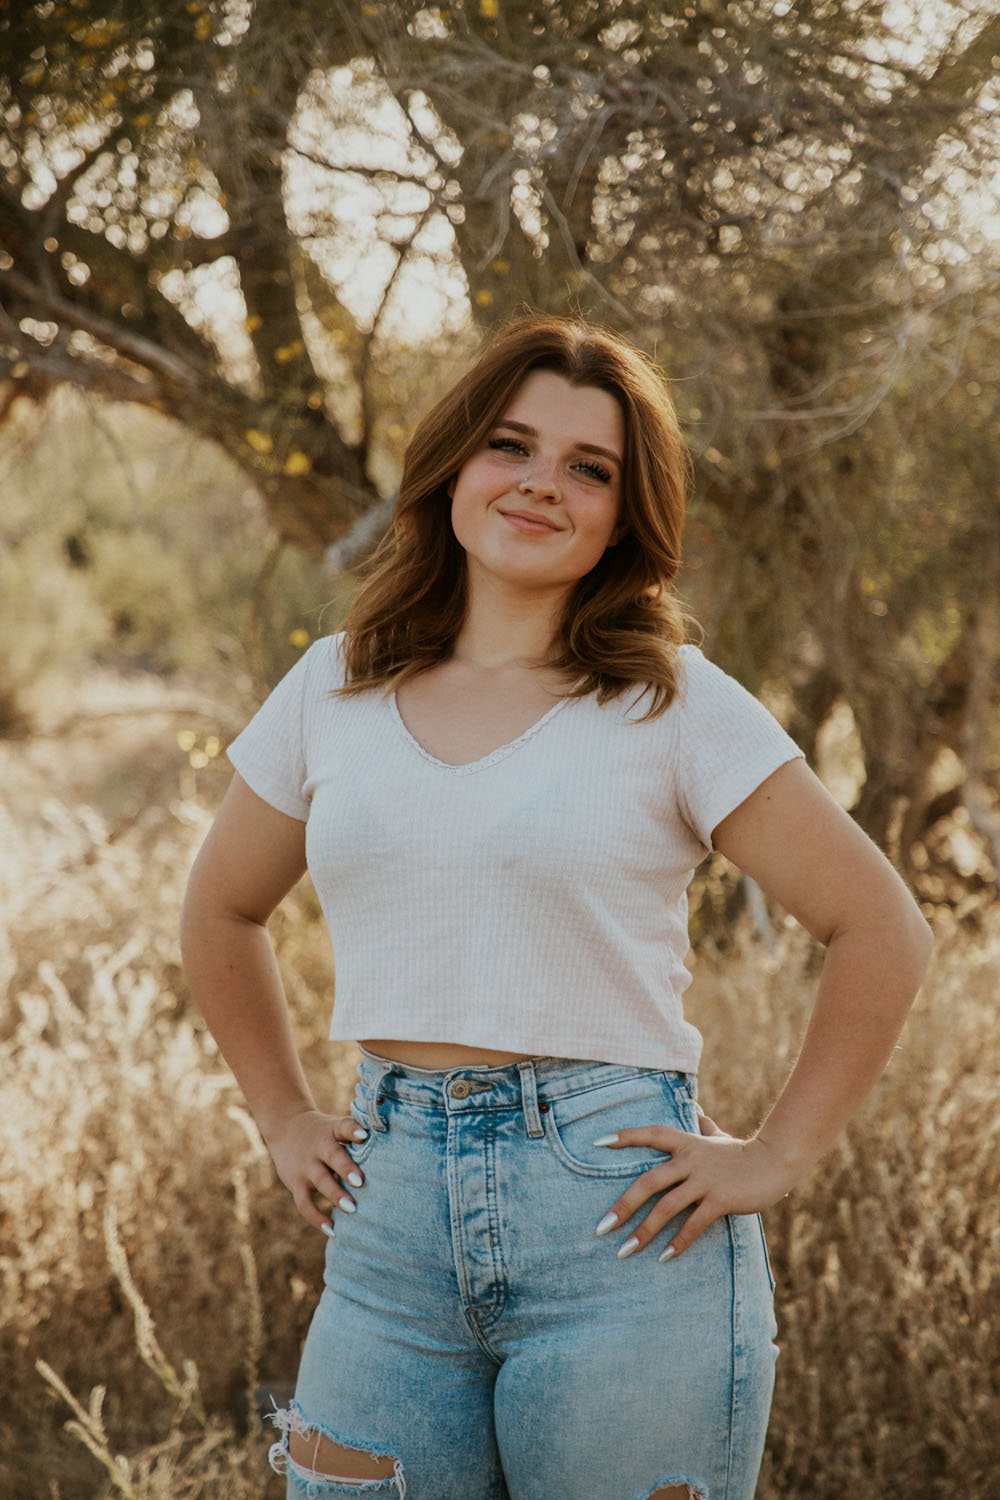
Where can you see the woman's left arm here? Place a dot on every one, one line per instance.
(801, 847)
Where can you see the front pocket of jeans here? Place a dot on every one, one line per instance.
(572, 1124)
(360, 1149)
(767, 1256)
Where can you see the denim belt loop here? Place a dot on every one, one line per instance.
(529, 1099)
(375, 1119)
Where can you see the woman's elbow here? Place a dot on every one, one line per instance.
(921, 938)
(911, 937)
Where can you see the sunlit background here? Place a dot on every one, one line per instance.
(242, 247)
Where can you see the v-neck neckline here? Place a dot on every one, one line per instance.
(500, 753)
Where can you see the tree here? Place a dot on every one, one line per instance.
(771, 196)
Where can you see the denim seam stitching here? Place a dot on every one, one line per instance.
(494, 1315)
(734, 1345)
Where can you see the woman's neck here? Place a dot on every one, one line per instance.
(502, 630)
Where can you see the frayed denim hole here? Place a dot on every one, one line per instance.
(670, 1489)
(318, 1483)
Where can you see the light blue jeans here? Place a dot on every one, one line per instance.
(474, 1328)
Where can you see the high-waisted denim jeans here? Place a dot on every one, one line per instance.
(474, 1328)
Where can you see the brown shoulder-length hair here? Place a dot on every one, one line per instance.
(622, 623)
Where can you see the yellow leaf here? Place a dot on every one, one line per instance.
(297, 462)
(186, 739)
(213, 746)
(484, 298)
(489, 8)
(198, 760)
(315, 400)
(259, 441)
(203, 28)
(299, 638)
(501, 267)
(253, 323)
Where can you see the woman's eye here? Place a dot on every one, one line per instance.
(514, 446)
(594, 469)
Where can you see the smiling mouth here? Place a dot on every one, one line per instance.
(530, 524)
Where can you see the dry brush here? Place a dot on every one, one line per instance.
(152, 1273)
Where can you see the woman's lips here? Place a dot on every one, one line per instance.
(531, 525)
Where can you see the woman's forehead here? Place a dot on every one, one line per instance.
(584, 413)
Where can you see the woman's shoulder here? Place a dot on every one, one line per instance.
(700, 678)
(691, 659)
(323, 660)
(715, 704)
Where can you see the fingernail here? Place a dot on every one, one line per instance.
(630, 1244)
(606, 1140)
(608, 1222)
(355, 1179)
(327, 1230)
(668, 1252)
(359, 1133)
(347, 1204)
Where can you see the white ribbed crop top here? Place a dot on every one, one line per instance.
(533, 901)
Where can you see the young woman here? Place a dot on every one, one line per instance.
(548, 1279)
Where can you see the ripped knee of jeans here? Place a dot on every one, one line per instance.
(677, 1488)
(322, 1464)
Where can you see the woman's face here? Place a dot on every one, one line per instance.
(540, 501)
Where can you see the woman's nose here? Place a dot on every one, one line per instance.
(542, 482)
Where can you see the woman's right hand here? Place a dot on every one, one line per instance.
(309, 1157)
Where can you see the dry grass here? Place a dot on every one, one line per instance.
(150, 1267)
(887, 1257)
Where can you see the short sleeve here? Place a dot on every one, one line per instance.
(271, 752)
(729, 744)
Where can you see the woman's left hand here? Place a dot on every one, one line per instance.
(712, 1173)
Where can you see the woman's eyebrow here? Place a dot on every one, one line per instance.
(583, 447)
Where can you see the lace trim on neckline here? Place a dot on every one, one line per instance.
(466, 767)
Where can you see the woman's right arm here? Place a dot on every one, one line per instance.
(252, 857)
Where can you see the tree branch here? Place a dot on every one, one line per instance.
(132, 346)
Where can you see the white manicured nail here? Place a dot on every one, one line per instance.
(359, 1133)
(608, 1222)
(630, 1244)
(327, 1230)
(668, 1252)
(348, 1205)
(606, 1140)
(355, 1179)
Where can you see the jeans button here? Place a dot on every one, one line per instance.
(461, 1088)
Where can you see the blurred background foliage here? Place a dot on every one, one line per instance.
(242, 244)
(257, 237)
